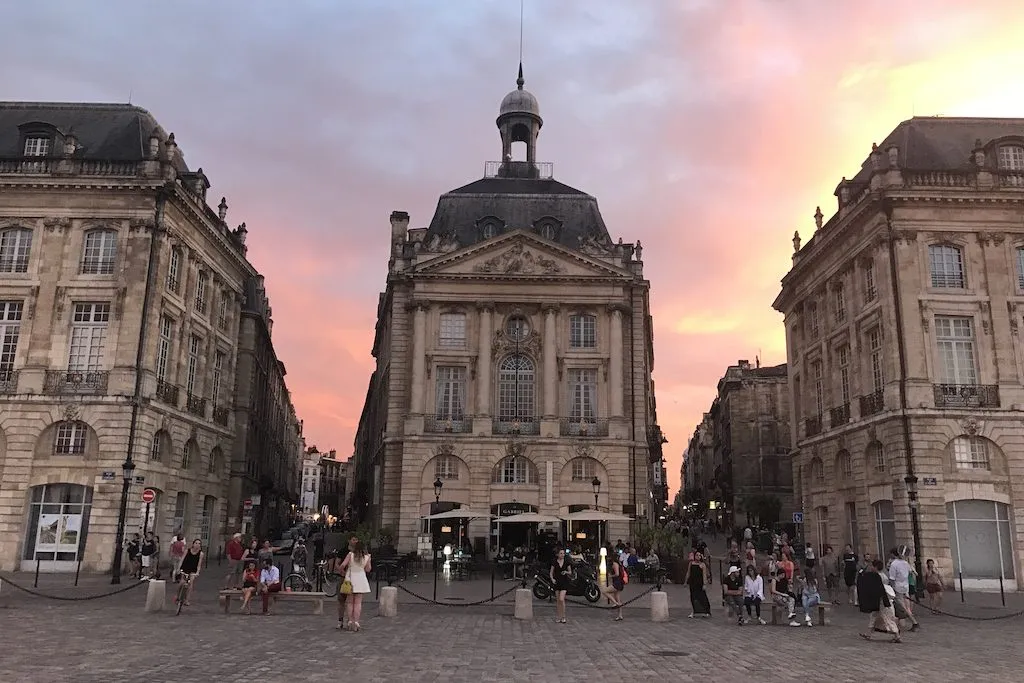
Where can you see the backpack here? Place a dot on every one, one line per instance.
(623, 575)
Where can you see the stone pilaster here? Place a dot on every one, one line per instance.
(550, 361)
(419, 348)
(615, 352)
(483, 362)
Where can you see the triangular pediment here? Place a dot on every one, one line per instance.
(521, 254)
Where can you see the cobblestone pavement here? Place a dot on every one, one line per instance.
(112, 639)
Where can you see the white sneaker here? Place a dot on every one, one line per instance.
(792, 615)
(691, 615)
(808, 622)
(761, 621)
(794, 623)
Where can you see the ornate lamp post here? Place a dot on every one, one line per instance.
(596, 483)
(127, 470)
(438, 485)
(915, 525)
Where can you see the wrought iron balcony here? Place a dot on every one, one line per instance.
(519, 425)
(519, 169)
(196, 405)
(839, 415)
(220, 415)
(75, 382)
(97, 266)
(872, 404)
(446, 424)
(812, 426)
(8, 381)
(582, 426)
(167, 392)
(966, 395)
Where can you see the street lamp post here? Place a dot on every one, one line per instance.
(127, 470)
(438, 485)
(915, 524)
(596, 483)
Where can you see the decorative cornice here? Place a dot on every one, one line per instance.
(987, 238)
(620, 307)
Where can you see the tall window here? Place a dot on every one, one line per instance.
(206, 521)
(37, 146)
(194, 344)
(163, 352)
(821, 522)
(218, 374)
(947, 266)
(174, 270)
(851, 523)
(970, 453)
(180, 512)
(582, 331)
(812, 319)
(515, 389)
(583, 469)
(817, 471)
(515, 471)
(876, 457)
(446, 467)
(453, 331)
(222, 310)
(955, 340)
(99, 252)
(70, 438)
(451, 393)
(15, 248)
(201, 278)
(1011, 157)
(819, 389)
(843, 359)
(885, 527)
(188, 453)
(10, 330)
(844, 465)
(160, 444)
(583, 393)
(875, 349)
(1020, 268)
(839, 301)
(88, 336)
(870, 293)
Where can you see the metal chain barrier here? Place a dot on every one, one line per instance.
(457, 604)
(625, 604)
(965, 617)
(7, 581)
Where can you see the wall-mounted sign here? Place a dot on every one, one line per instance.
(109, 475)
(930, 481)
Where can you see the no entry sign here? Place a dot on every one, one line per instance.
(148, 495)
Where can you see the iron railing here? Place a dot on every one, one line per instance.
(812, 426)
(872, 403)
(97, 266)
(839, 415)
(8, 381)
(966, 395)
(75, 382)
(167, 392)
(519, 425)
(519, 169)
(442, 424)
(220, 415)
(195, 404)
(583, 426)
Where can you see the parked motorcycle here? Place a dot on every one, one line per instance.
(584, 584)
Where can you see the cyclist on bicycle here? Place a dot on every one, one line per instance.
(299, 557)
(191, 565)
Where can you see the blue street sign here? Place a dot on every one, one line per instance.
(798, 518)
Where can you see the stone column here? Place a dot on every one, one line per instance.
(483, 360)
(615, 352)
(419, 350)
(550, 361)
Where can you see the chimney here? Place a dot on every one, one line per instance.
(399, 226)
(744, 364)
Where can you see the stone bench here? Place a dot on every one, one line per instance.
(316, 598)
(821, 609)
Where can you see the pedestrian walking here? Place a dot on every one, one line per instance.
(934, 585)
(753, 593)
(356, 565)
(234, 552)
(334, 567)
(899, 578)
(561, 573)
(177, 554)
(830, 569)
(133, 548)
(874, 600)
(850, 562)
(613, 591)
(698, 579)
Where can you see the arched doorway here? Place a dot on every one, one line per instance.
(514, 535)
(980, 542)
(58, 524)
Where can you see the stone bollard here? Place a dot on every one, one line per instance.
(156, 595)
(388, 605)
(524, 603)
(659, 606)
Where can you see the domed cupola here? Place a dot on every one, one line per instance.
(519, 120)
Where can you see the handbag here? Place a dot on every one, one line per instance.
(346, 587)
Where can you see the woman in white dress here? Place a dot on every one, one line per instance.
(355, 566)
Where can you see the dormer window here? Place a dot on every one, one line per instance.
(490, 230)
(1011, 158)
(489, 226)
(37, 146)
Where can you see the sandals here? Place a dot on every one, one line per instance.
(617, 619)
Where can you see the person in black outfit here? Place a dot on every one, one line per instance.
(875, 602)
(697, 578)
(561, 574)
(191, 565)
(134, 547)
(850, 560)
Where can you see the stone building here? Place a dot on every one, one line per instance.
(740, 451)
(699, 466)
(309, 492)
(902, 317)
(266, 461)
(333, 483)
(120, 298)
(514, 358)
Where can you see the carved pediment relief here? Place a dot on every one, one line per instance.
(519, 260)
(518, 254)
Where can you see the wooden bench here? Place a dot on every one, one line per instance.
(316, 598)
(821, 609)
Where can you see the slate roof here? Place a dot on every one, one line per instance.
(518, 203)
(942, 144)
(107, 132)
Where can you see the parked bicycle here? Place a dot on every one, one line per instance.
(328, 582)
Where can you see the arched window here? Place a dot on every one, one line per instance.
(489, 230)
(875, 457)
(1011, 158)
(446, 467)
(188, 454)
(215, 460)
(15, 248)
(970, 453)
(583, 469)
(817, 471)
(160, 448)
(70, 437)
(517, 328)
(844, 465)
(180, 513)
(99, 251)
(515, 471)
(516, 390)
(947, 266)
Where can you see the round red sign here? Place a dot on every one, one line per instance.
(148, 495)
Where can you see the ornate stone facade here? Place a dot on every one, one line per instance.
(906, 367)
(513, 366)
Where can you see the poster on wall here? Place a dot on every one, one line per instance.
(71, 525)
(48, 529)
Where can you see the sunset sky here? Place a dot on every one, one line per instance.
(708, 129)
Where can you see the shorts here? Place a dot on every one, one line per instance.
(617, 584)
(831, 581)
(809, 563)
(146, 560)
(249, 584)
(933, 588)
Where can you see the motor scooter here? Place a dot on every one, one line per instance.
(584, 583)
